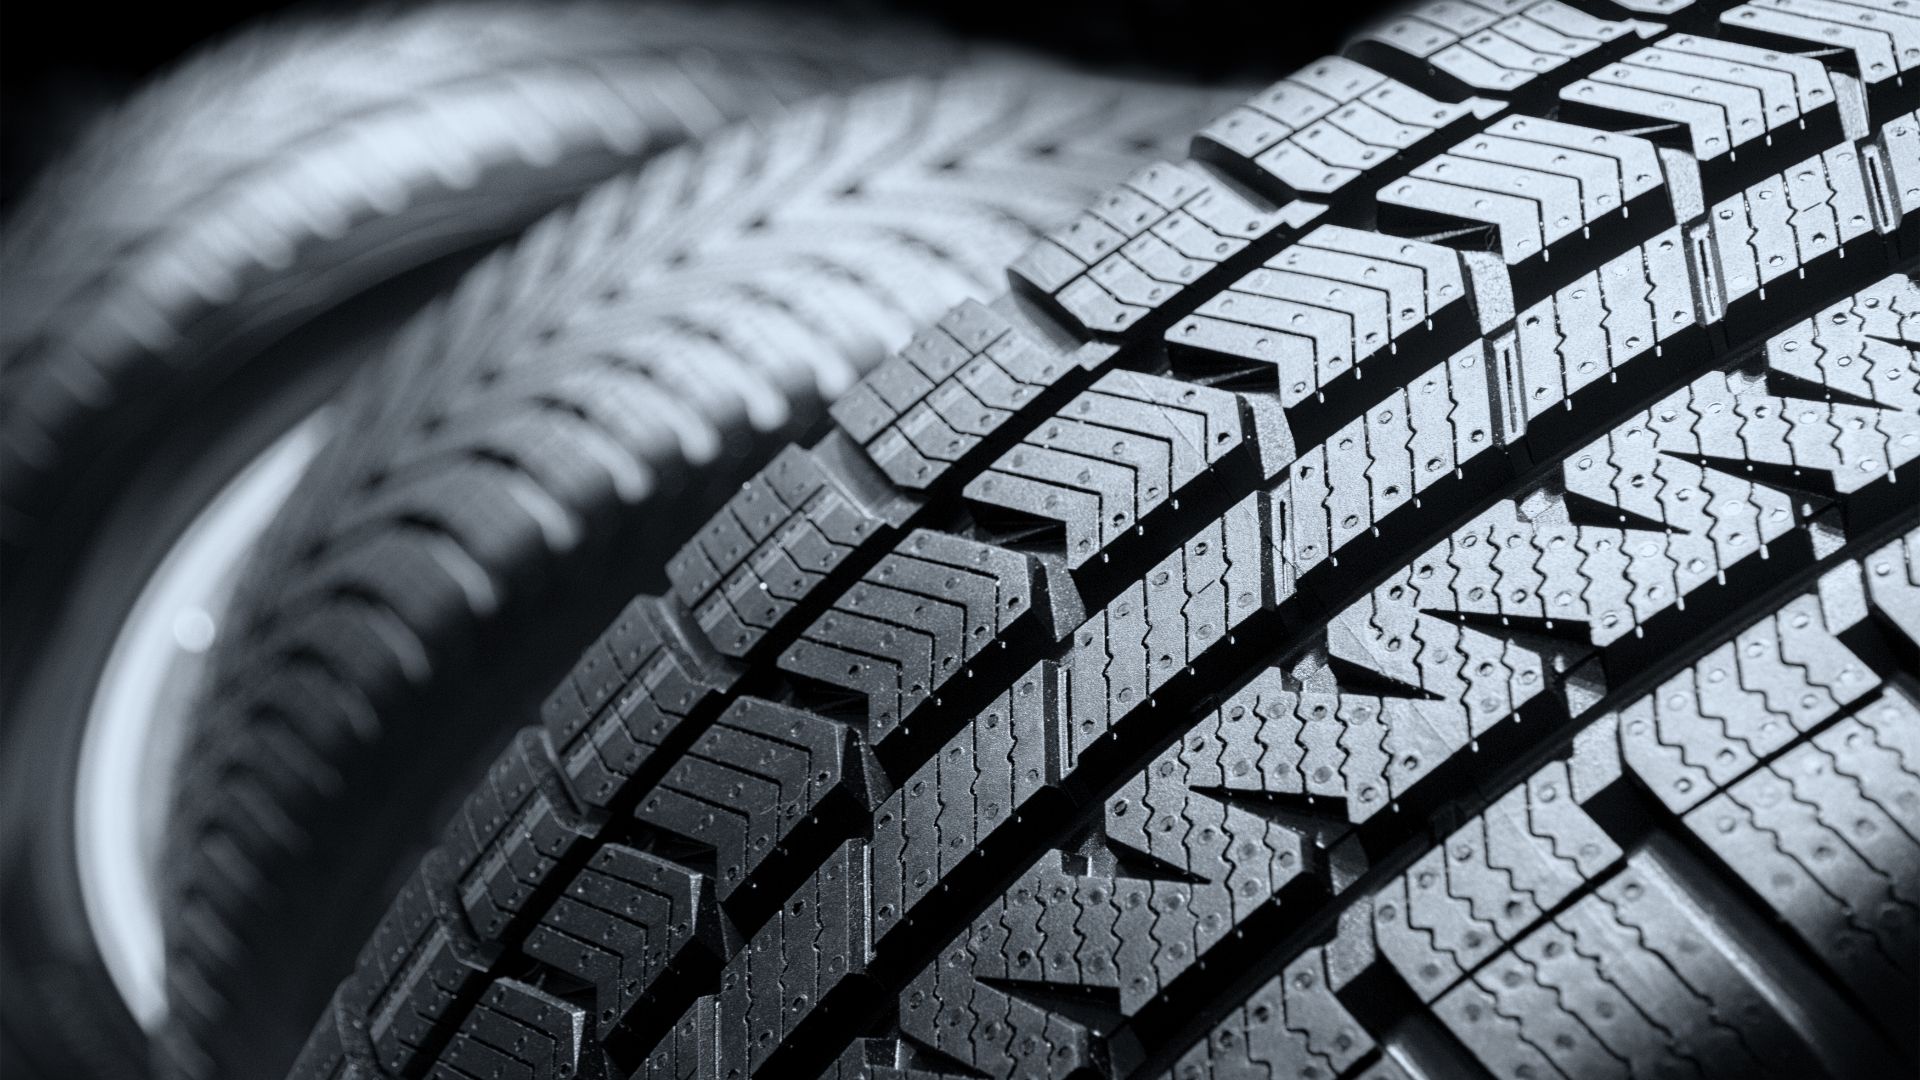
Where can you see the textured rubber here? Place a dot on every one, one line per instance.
(529, 456)
(308, 161)
(320, 174)
(1427, 587)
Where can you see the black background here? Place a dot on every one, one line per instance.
(62, 62)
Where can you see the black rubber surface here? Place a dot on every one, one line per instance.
(1427, 587)
(528, 457)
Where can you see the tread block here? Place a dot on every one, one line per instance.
(1291, 1026)
(1865, 347)
(626, 919)
(1544, 186)
(1420, 435)
(915, 621)
(1067, 925)
(1337, 307)
(691, 1050)
(515, 1032)
(1728, 421)
(1764, 236)
(1080, 928)
(1579, 340)
(1359, 750)
(411, 973)
(923, 411)
(1622, 982)
(1495, 46)
(1885, 44)
(979, 782)
(818, 940)
(995, 1031)
(508, 835)
(1324, 127)
(1144, 244)
(774, 543)
(1740, 704)
(1731, 98)
(1124, 448)
(1487, 882)
(1155, 629)
(630, 692)
(749, 783)
(1099, 931)
(1815, 834)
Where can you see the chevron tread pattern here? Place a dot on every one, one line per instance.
(1402, 755)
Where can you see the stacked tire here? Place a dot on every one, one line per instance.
(1444, 608)
(185, 292)
(1408, 573)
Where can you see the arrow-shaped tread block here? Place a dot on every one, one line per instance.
(639, 682)
(1131, 936)
(625, 921)
(1546, 187)
(1124, 448)
(758, 774)
(1885, 43)
(1731, 98)
(1144, 243)
(776, 541)
(922, 412)
(913, 622)
(1865, 347)
(1338, 307)
(1326, 126)
(1495, 46)
(1358, 752)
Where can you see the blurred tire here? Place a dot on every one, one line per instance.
(304, 163)
(194, 279)
(526, 458)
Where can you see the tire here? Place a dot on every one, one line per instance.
(1542, 703)
(529, 455)
(307, 162)
(200, 273)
